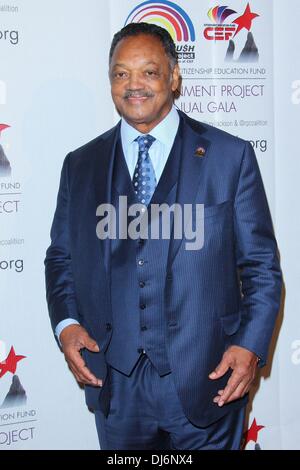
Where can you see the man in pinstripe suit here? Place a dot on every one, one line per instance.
(166, 340)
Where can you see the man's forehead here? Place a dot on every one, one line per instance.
(141, 42)
(148, 51)
(141, 37)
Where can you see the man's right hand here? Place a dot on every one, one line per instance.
(73, 338)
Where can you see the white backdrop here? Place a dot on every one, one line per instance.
(54, 96)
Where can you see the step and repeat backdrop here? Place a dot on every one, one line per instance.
(241, 72)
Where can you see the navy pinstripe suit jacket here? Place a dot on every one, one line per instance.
(226, 293)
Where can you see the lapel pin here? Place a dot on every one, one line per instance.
(200, 152)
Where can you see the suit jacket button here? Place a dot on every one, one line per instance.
(144, 328)
(142, 284)
(142, 306)
(141, 262)
(108, 326)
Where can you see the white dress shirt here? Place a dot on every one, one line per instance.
(164, 133)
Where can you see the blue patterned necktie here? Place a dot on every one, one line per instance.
(144, 180)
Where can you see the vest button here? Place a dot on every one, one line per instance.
(142, 306)
(142, 284)
(144, 328)
(141, 351)
(141, 241)
(141, 262)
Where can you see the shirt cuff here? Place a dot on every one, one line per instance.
(63, 324)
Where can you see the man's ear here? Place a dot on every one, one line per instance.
(175, 77)
(176, 81)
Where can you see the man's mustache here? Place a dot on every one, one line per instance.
(138, 94)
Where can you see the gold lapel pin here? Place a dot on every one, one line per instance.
(200, 152)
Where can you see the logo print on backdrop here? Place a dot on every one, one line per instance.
(171, 17)
(252, 434)
(218, 14)
(16, 421)
(8, 9)
(16, 395)
(5, 168)
(221, 31)
(10, 36)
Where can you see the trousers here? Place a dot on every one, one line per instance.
(146, 414)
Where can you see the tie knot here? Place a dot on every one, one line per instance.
(145, 142)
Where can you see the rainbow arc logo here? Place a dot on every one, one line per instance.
(167, 15)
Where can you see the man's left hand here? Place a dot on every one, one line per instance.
(243, 364)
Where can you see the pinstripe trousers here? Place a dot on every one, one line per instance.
(146, 414)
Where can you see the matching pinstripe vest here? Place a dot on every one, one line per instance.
(138, 272)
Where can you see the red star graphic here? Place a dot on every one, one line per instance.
(252, 433)
(3, 127)
(245, 21)
(10, 363)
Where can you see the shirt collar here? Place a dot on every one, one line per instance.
(165, 131)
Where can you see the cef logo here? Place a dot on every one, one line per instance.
(218, 30)
(222, 30)
(171, 17)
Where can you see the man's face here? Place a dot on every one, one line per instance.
(142, 81)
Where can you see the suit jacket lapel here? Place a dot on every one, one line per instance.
(169, 175)
(103, 169)
(190, 172)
